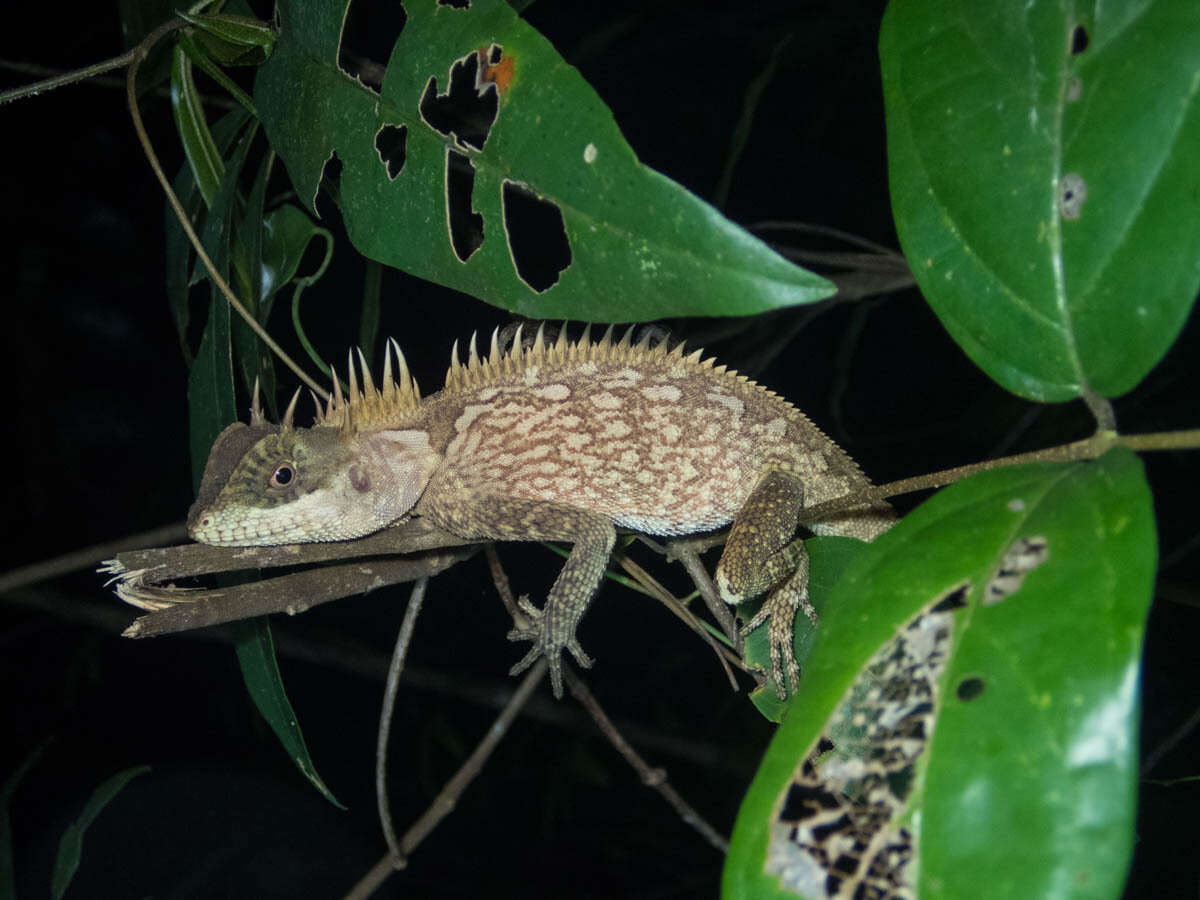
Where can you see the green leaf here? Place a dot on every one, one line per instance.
(70, 848)
(233, 40)
(1030, 693)
(179, 274)
(210, 386)
(256, 364)
(198, 145)
(641, 247)
(828, 559)
(287, 233)
(202, 54)
(991, 117)
(256, 653)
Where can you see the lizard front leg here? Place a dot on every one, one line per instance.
(761, 555)
(516, 519)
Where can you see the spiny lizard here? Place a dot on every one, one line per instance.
(562, 441)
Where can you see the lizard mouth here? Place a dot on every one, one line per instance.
(211, 527)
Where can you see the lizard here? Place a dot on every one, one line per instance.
(556, 441)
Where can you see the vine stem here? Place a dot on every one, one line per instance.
(136, 55)
(66, 78)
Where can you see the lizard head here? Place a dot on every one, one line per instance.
(266, 485)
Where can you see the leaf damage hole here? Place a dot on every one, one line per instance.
(954, 599)
(1079, 40)
(537, 237)
(330, 184)
(1025, 555)
(969, 688)
(1072, 192)
(455, 4)
(369, 33)
(464, 223)
(391, 143)
(467, 111)
(840, 829)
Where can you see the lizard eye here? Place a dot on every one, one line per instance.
(283, 475)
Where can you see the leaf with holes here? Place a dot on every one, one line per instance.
(1043, 176)
(971, 700)
(486, 163)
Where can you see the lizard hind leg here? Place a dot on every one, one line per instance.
(761, 555)
(779, 611)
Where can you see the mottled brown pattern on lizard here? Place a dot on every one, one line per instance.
(562, 441)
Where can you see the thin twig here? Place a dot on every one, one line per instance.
(651, 777)
(684, 613)
(447, 798)
(1170, 742)
(403, 639)
(138, 54)
(500, 578)
(683, 551)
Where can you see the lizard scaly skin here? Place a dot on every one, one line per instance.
(563, 441)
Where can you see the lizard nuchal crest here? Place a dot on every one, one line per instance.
(562, 441)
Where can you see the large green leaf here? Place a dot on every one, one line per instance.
(997, 721)
(1043, 172)
(641, 247)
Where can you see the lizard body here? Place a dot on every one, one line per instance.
(562, 441)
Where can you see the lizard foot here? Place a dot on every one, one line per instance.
(537, 629)
(780, 609)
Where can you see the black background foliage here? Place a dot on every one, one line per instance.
(96, 448)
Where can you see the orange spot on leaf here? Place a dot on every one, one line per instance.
(500, 74)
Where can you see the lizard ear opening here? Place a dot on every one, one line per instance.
(405, 462)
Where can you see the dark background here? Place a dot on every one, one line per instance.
(96, 448)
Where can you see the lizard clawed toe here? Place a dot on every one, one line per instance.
(544, 644)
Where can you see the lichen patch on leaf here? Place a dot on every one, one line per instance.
(839, 829)
(1025, 555)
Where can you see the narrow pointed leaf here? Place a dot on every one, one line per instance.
(197, 140)
(236, 40)
(70, 847)
(256, 654)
